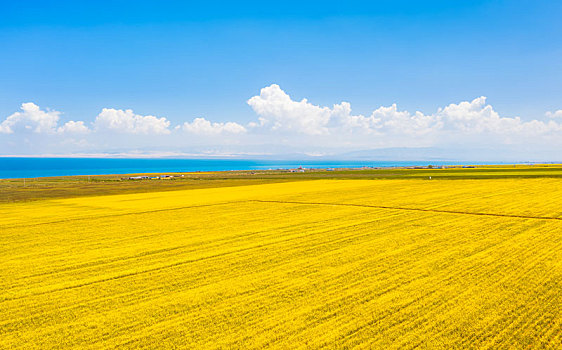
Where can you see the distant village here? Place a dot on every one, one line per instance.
(298, 170)
(146, 177)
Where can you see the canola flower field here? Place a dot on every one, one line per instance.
(306, 264)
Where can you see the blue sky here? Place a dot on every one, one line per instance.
(186, 60)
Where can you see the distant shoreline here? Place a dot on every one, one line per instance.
(29, 167)
(35, 188)
(148, 175)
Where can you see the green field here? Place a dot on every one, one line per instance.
(72, 186)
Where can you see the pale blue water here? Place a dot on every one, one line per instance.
(40, 167)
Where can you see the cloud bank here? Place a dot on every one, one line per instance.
(278, 119)
(204, 127)
(126, 121)
(556, 114)
(278, 111)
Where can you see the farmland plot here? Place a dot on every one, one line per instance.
(328, 263)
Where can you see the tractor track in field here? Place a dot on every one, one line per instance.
(282, 202)
(147, 270)
(140, 212)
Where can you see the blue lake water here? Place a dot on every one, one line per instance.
(40, 167)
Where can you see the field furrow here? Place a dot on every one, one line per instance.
(318, 264)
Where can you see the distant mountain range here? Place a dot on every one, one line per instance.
(269, 152)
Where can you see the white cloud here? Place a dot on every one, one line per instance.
(128, 122)
(281, 112)
(205, 127)
(31, 118)
(555, 114)
(391, 120)
(477, 117)
(73, 127)
(284, 123)
(278, 111)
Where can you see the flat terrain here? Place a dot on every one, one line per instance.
(291, 263)
(14, 190)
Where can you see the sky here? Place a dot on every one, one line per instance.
(267, 79)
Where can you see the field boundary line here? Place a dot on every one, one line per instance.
(412, 209)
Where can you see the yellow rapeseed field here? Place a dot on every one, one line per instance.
(327, 263)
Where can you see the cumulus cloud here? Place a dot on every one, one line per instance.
(278, 111)
(555, 114)
(282, 121)
(75, 127)
(126, 121)
(205, 127)
(477, 117)
(390, 120)
(31, 118)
